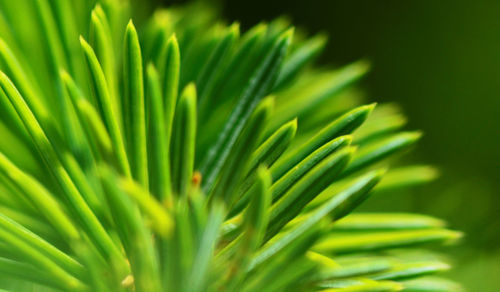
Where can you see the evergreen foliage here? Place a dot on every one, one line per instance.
(189, 156)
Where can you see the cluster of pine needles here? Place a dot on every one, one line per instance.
(187, 156)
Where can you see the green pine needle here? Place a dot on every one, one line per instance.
(187, 155)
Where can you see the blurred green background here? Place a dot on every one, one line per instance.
(440, 60)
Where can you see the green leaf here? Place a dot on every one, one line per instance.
(198, 53)
(278, 259)
(41, 199)
(272, 148)
(34, 223)
(355, 267)
(13, 198)
(134, 236)
(12, 67)
(308, 187)
(386, 119)
(159, 162)
(231, 82)
(289, 276)
(105, 106)
(180, 249)
(255, 219)
(57, 256)
(54, 46)
(341, 126)
(54, 49)
(431, 284)
(160, 221)
(361, 285)
(92, 124)
(215, 62)
(88, 219)
(386, 221)
(89, 189)
(358, 189)
(134, 105)
(12, 119)
(266, 154)
(169, 70)
(340, 244)
(258, 86)
(201, 263)
(237, 161)
(183, 141)
(32, 249)
(375, 152)
(286, 181)
(299, 58)
(411, 270)
(408, 176)
(64, 14)
(27, 272)
(102, 42)
(303, 105)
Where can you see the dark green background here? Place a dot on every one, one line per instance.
(440, 60)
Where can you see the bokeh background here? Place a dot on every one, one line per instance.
(440, 60)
